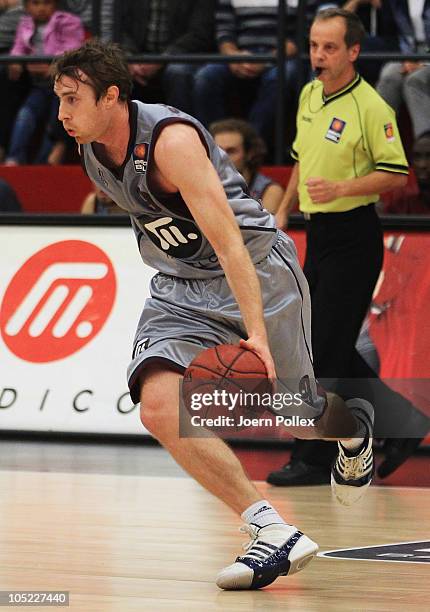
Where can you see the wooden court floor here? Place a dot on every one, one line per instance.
(120, 543)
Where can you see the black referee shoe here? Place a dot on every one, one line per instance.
(397, 451)
(298, 473)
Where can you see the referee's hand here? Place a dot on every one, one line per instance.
(322, 191)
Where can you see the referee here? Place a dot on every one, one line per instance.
(347, 151)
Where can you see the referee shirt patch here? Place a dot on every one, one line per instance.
(389, 132)
(335, 130)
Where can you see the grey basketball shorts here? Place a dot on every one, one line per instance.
(185, 316)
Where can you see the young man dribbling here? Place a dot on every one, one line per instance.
(226, 275)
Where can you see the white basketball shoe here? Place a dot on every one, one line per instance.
(274, 550)
(352, 472)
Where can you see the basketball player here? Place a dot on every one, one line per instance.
(226, 275)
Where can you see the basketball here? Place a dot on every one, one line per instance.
(226, 381)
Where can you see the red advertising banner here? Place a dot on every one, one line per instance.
(399, 323)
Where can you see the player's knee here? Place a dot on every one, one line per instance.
(158, 414)
(153, 414)
(159, 398)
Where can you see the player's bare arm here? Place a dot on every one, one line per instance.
(289, 200)
(323, 191)
(272, 197)
(182, 162)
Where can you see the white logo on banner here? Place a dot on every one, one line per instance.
(57, 297)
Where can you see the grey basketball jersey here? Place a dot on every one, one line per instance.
(168, 237)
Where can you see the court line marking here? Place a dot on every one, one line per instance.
(325, 553)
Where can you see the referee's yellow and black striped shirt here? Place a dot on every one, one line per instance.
(345, 135)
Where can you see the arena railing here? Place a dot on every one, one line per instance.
(279, 59)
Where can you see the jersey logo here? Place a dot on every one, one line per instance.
(389, 132)
(140, 157)
(335, 130)
(178, 238)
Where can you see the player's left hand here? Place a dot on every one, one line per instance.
(322, 191)
(260, 346)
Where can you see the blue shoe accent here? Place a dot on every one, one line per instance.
(277, 564)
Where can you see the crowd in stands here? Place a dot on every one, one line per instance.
(212, 92)
(247, 150)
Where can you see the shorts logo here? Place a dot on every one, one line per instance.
(141, 346)
(140, 157)
(58, 301)
(335, 130)
(389, 132)
(305, 390)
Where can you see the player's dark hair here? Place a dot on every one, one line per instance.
(254, 145)
(103, 64)
(354, 32)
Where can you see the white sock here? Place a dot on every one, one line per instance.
(262, 513)
(355, 443)
(352, 444)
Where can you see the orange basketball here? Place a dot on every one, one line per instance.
(234, 378)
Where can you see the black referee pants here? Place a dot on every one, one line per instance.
(344, 256)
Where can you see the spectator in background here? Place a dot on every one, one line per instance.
(43, 31)
(243, 28)
(99, 203)
(11, 12)
(417, 98)
(410, 81)
(168, 27)
(381, 33)
(99, 23)
(414, 198)
(9, 202)
(246, 150)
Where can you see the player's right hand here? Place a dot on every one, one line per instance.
(260, 346)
